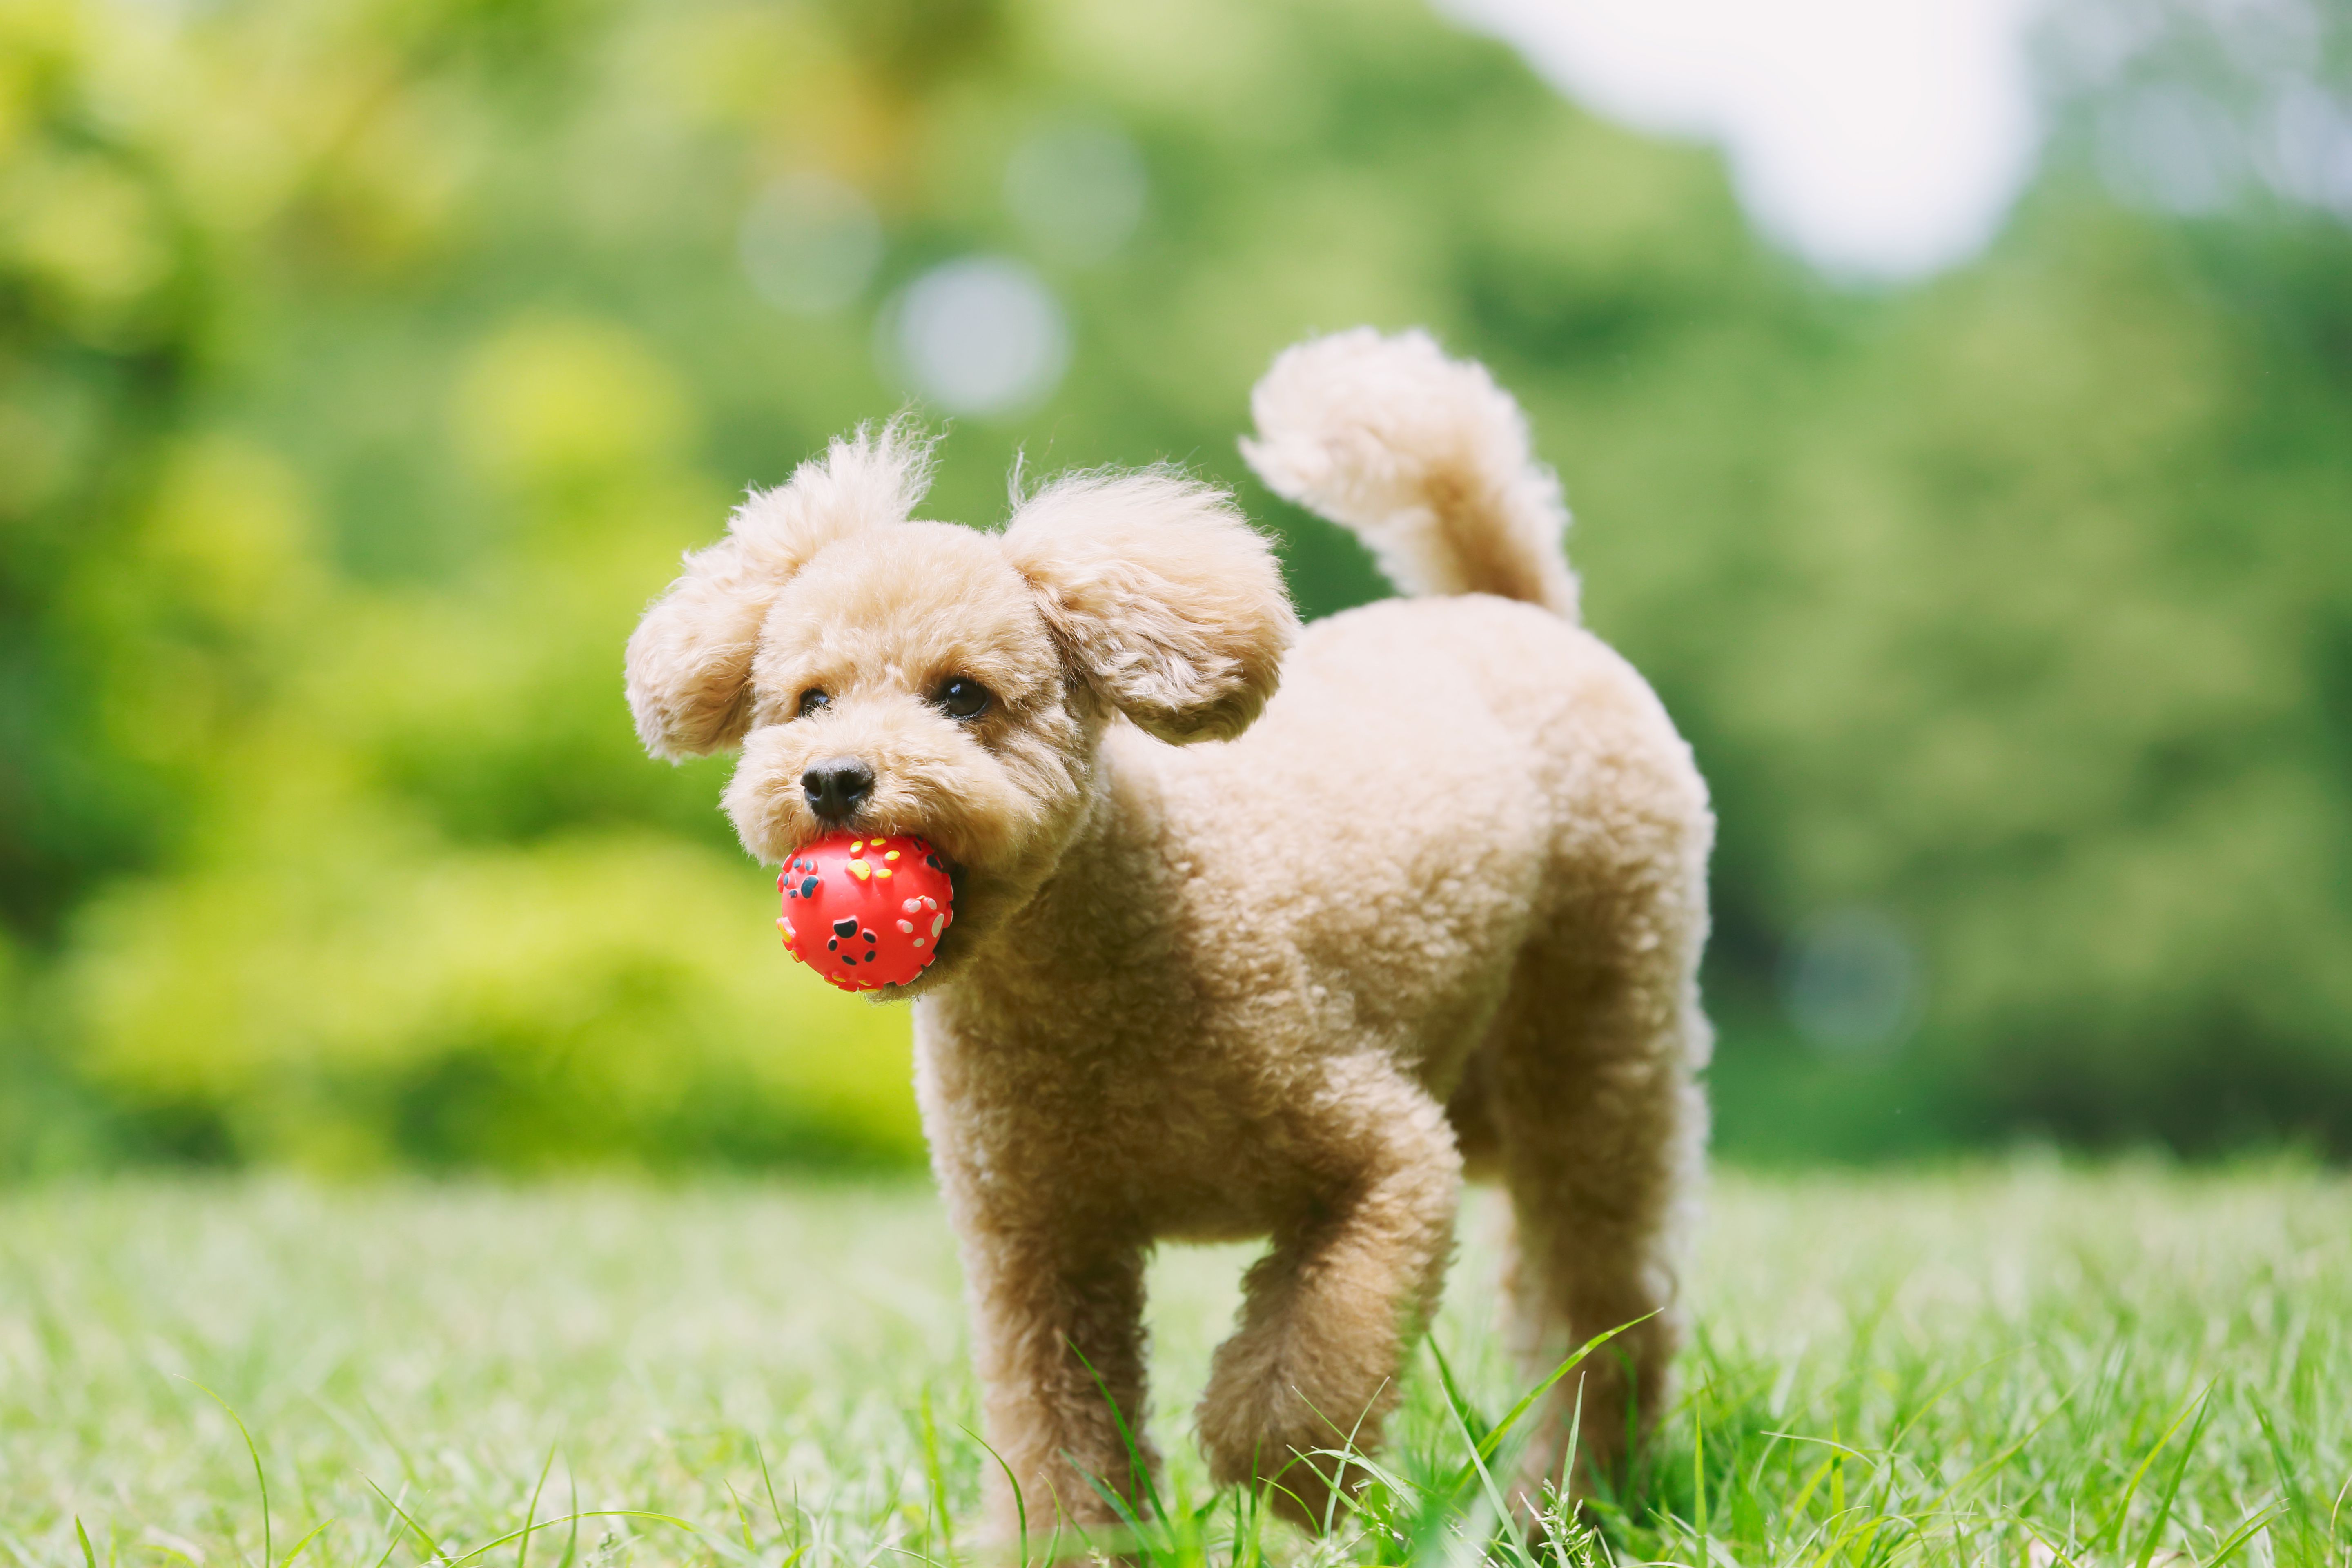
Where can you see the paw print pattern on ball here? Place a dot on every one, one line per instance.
(864, 912)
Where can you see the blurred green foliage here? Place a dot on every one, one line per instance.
(364, 366)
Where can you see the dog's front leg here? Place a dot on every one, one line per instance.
(1057, 1331)
(1330, 1311)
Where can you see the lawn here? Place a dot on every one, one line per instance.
(2024, 1363)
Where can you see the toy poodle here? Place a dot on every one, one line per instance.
(1259, 932)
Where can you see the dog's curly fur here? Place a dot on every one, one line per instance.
(1434, 909)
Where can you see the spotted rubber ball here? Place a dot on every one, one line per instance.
(865, 913)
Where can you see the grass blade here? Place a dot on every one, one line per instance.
(1130, 1525)
(1139, 1472)
(2237, 1538)
(2179, 1470)
(1020, 1508)
(2110, 1534)
(313, 1534)
(422, 1533)
(391, 1537)
(1575, 1359)
(572, 1542)
(937, 1476)
(260, 1480)
(522, 1552)
(1513, 1545)
(1698, 1476)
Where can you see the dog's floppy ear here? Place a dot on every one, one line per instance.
(689, 663)
(1161, 595)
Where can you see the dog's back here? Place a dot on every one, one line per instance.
(1436, 783)
(1440, 781)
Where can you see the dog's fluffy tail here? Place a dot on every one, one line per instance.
(1424, 457)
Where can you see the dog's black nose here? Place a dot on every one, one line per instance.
(835, 786)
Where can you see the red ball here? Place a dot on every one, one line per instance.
(865, 913)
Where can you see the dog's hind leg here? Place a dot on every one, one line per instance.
(1600, 1130)
(1328, 1313)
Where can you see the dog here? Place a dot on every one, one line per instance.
(1259, 933)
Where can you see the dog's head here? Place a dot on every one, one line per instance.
(890, 676)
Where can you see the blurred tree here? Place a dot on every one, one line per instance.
(364, 368)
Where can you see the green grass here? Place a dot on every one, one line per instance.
(2020, 1364)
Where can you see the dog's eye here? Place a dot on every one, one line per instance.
(812, 700)
(960, 698)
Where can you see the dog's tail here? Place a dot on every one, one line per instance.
(1424, 457)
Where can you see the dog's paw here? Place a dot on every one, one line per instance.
(1258, 1427)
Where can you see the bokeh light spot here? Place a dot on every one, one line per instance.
(982, 335)
(2309, 155)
